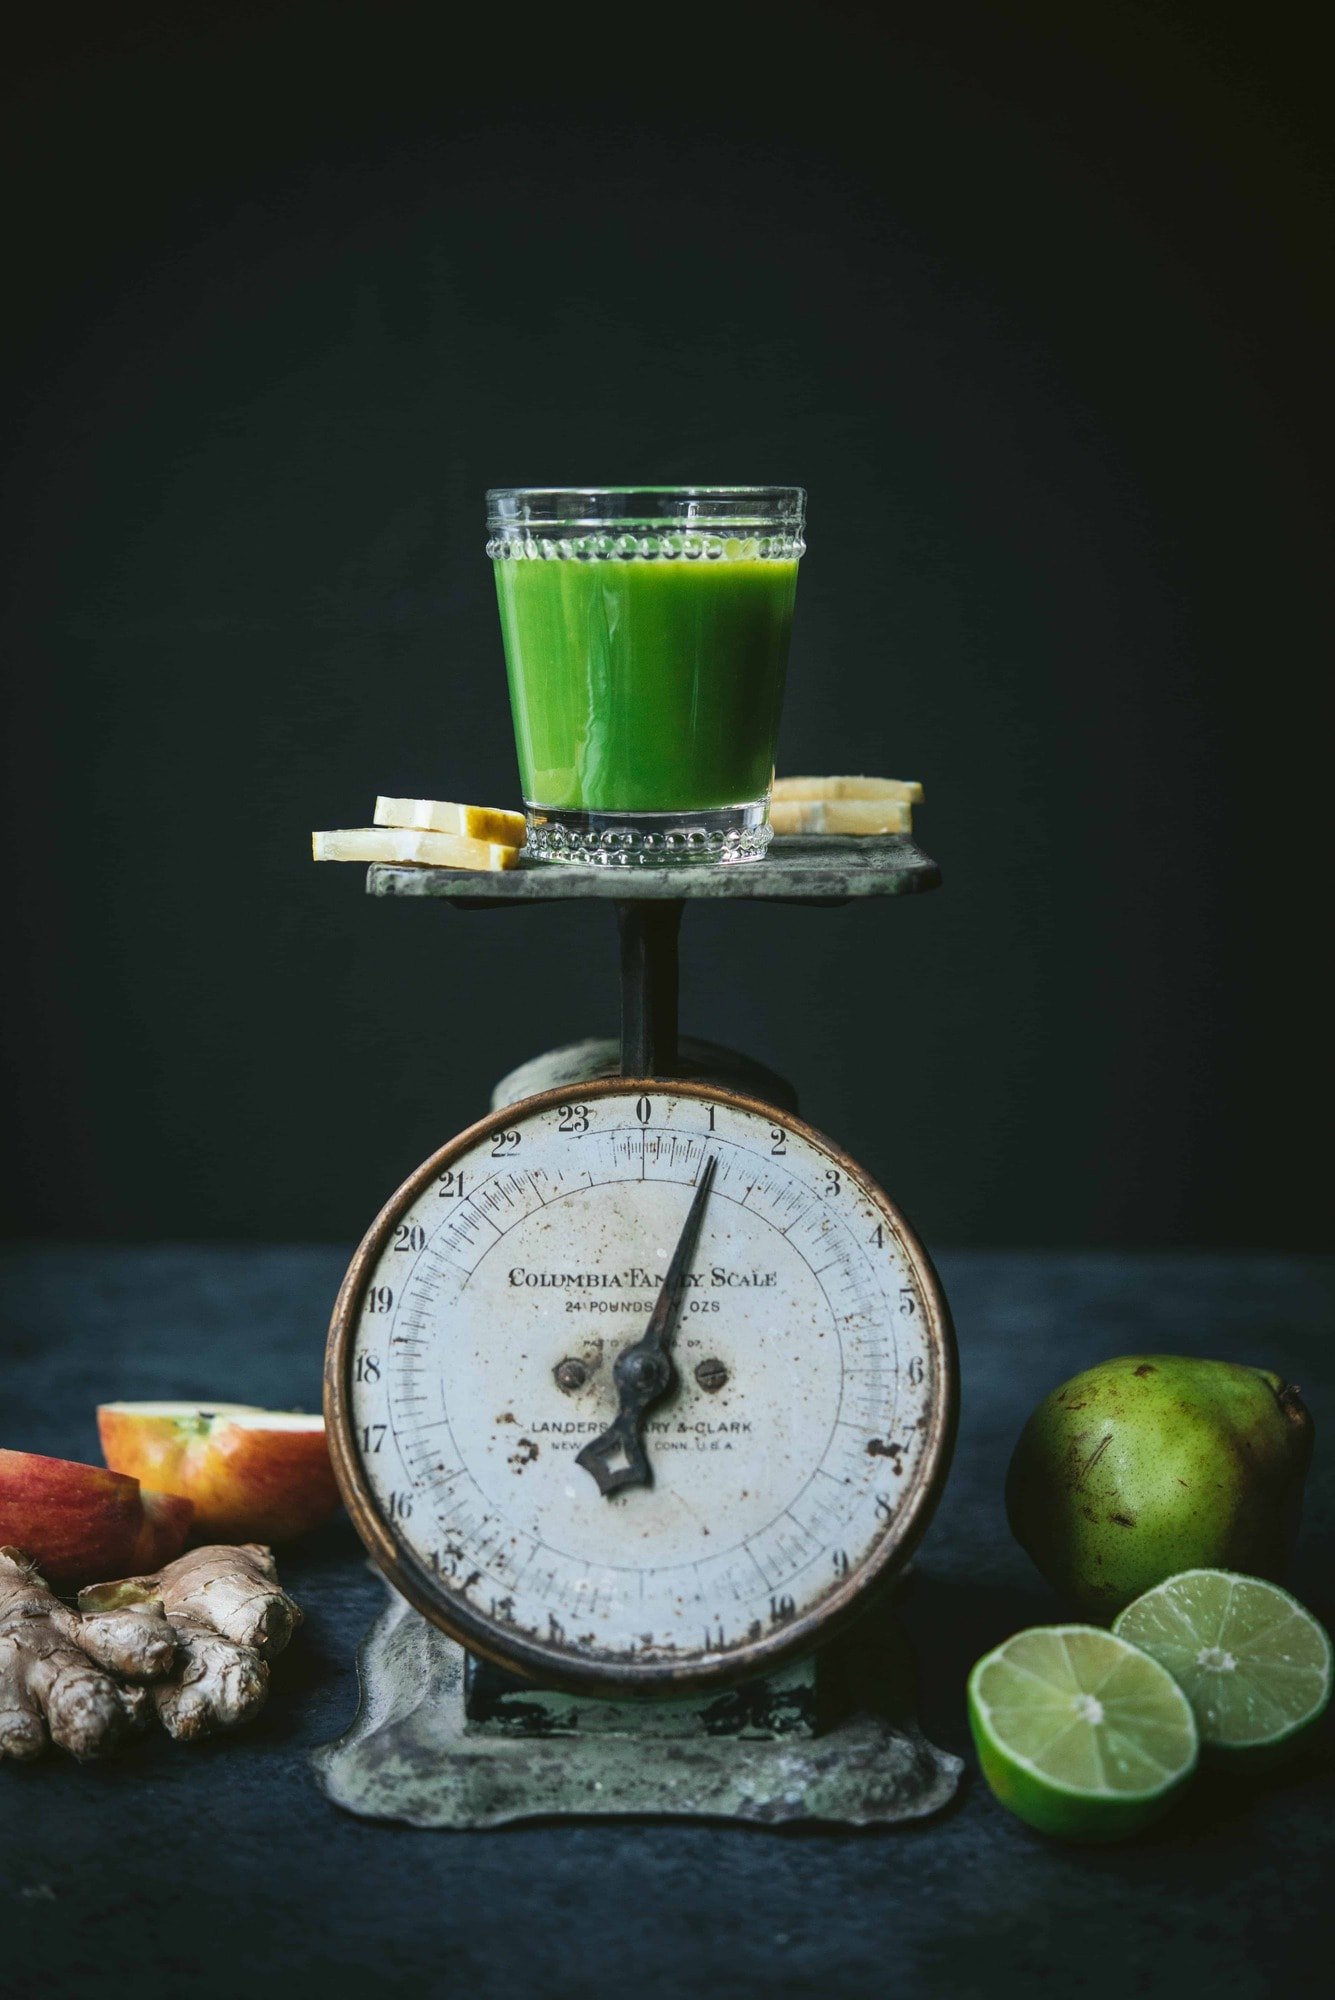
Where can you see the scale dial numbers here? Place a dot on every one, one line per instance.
(793, 1463)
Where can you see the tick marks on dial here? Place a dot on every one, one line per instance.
(487, 1198)
(797, 1219)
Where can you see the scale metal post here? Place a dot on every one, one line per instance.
(445, 1739)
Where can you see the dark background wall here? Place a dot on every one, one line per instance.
(1033, 298)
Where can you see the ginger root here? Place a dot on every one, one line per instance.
(230, 1618)
(58, 1679)
(192, 1642)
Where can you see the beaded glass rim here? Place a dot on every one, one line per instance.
(646, 547)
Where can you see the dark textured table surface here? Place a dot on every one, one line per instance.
(222, 1870)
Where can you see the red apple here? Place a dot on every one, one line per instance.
(82, 1524)
(253, 1475)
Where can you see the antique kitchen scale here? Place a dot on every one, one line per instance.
(640, 1391)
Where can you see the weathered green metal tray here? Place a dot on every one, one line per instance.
(818, 868)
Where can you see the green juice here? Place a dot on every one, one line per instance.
(645, 685)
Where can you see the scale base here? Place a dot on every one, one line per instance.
(414, 1755)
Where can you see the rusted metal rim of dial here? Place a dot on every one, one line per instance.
(599, 1674)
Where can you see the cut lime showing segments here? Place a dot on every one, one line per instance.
(1079, 1733)
(1254, 1665)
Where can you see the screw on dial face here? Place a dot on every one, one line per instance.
(645, 1372)
(796, 1449)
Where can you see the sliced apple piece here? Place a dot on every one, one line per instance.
(508, 829)
(858, 816)
(80, 1523)
(907, 789)
(400, 847)
(253, 1475)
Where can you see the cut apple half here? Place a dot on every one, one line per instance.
(83, 1523)
(253, 1475)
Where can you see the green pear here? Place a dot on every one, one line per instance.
(1157, 1463)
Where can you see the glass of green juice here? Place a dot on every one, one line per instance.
(646, 641)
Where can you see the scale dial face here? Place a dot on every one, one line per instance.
(792, 1461)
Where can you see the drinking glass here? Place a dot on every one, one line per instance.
(646, 642)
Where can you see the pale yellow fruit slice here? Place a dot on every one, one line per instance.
(907, 789)
(468, 822)
(841, 816)
(400, 847)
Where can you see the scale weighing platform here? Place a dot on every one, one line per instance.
(640, 1393)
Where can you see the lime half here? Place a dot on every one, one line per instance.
(1079, 1733)
(1254, 1665)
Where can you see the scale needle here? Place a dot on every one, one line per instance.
(644, 1372)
